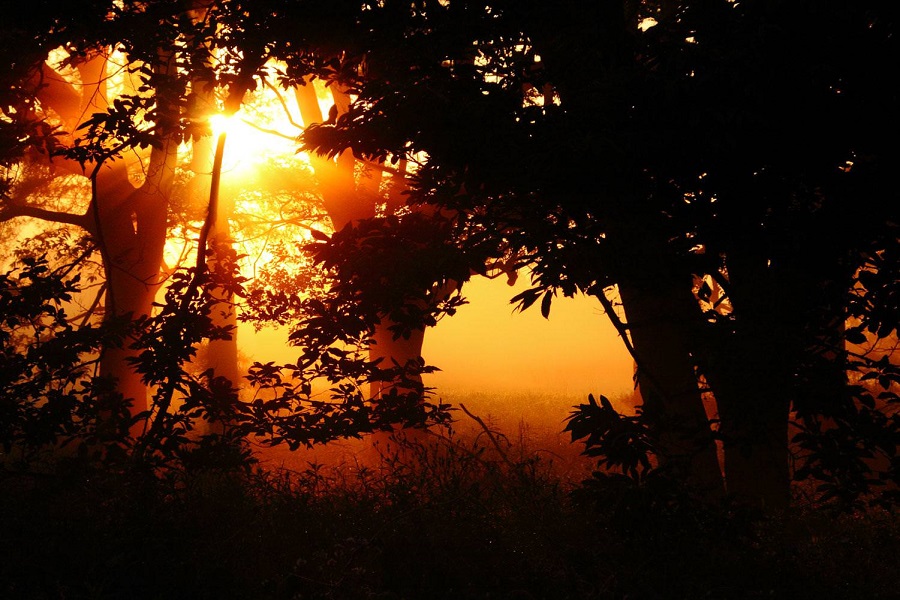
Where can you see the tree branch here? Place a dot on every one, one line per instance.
(621, 327)
(10, 212)
(284, 106)
(491, 435)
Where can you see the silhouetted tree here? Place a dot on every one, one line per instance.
(105, 94)
(148, 76)
(741, 143)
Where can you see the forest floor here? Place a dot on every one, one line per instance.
(460, 515)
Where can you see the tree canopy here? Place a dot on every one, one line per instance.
(725, 165)
(722, 169)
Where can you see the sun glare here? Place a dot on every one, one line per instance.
(245, 145)
(221, 124)
(254, 136)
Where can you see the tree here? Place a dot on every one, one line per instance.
(726, 141)
(108, 95)
(127, 223)
(381, 333)
(183, 65)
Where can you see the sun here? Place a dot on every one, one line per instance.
(221, 123)
(266, 128)
(247, 144)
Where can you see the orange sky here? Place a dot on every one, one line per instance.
(487, 347)
(519, 372)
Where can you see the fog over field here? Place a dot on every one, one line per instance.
(519, 372)
(490, 348)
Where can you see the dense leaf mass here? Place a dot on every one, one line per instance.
(744, 144)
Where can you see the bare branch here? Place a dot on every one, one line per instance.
(93, 307)
(281, 100)
(26, 210)
(268, 131)
(491, 435)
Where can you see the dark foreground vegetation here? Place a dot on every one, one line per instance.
(452, 518)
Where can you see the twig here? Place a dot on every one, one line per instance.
(90, 311)
(491, 435)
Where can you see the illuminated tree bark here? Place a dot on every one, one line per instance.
(221, 355)
(128, 223)
(132, 239)
(350, 193)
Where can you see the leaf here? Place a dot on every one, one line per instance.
(855, 336)
(525, 299)
(545, 304)
(319, 235)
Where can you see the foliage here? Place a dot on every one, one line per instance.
(167, 342)
(178, 65)
(851, 445)
(53, 395)
(49, 396)
(622, 443)
(58, 409)
(725, 142)
(365, 285)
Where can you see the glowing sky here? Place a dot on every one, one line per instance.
(488, 347)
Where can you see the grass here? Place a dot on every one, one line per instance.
(461, 515)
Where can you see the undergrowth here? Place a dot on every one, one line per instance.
(439, 516)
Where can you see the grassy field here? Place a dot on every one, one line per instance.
(462, 514)
(524, 427)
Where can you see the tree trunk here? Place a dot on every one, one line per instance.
(346, 200)
(349, 195)
(221, 355)
(751, 369)
(754, 404)
(128, 224)
(659, 315)
(391, 350)
(754, 426)
(132, 236)
(385, 347)
(664, 321)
